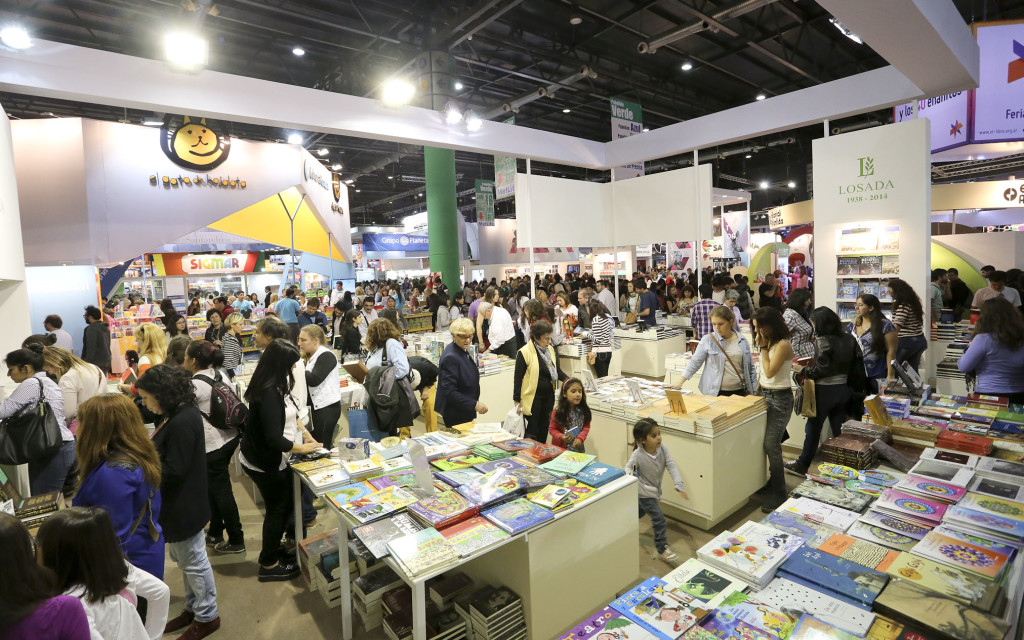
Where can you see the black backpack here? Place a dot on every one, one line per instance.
(226, 410)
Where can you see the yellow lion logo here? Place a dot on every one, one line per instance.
(194, 145)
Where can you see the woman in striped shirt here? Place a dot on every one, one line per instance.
(230, 343)
(600, 336)
(908, 316)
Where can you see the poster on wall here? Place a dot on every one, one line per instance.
(949, 115)
(505, 173)
(485, 202)
(679, 256)
(627, 120)
(998, 110)
(735, 235)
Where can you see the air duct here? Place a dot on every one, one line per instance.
(679, 33)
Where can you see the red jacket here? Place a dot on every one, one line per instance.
(557, 432)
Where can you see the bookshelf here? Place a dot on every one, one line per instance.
(866, 258)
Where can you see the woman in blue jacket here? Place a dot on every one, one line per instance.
(458, 379)
(725, 354)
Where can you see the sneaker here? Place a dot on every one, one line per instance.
(795, 468)
(229, 547)
(318, 504)
(279, 572)
(212, 541)
(184, 619)
(668, 555)
(198, 630)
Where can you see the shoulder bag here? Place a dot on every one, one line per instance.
(32, 435)
(731, 363)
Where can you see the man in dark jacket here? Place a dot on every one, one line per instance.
(96, 339)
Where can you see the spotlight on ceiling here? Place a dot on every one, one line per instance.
(458, 86)
(845, 31)
(349, 181)
(391, 177)
(323, 151)
(646, 130)
(186, 51)
(760, 97)
(763, 184)
(335, 167)
(295, 138)
(791, 184)
(397, 92)
(15, 37)
(298, 51)
(687, 65)
(567, 110)
(575, 20)
(452, 114)
(749, 156)
(473, 121)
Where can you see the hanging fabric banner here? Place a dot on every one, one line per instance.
(627, 120)
(485, 202)
(505, 173)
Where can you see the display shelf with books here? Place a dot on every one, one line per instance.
(866, 258)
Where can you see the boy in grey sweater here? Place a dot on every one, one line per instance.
(648, 463)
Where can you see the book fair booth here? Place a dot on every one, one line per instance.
(872, 539)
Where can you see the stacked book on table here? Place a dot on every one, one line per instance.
(867, 430)
(753, 553)
(849, 450)
(965, 442)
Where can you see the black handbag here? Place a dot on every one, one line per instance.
(31, 436)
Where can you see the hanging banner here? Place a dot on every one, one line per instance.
(998, 112)
(485, 202)
(505, 173)
(948, 114)
(679, 256)
(627, 120)
(394, 242)
(735, 235)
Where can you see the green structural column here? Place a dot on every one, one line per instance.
(442, 215)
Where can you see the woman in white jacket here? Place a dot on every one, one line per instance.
(322, 382)
(78, 380)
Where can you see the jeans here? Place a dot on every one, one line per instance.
(601, 362)
(910, 350)
(276, 489)
(200, 590)
(650, 506)
(223, 509)
(780, 406)
(830, 400)
(324, 422)
(537, 424)
(49, 475)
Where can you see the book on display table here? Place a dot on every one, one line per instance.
(950, 619)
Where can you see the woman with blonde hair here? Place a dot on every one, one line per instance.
(231, 345)
(272, 307)
(322, 383)
(458, 378)
(78, 380)
(120, 472)
(152, 343)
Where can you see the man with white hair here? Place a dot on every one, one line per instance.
(501, 333)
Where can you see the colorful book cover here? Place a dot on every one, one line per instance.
(360, 468)
(442, 509)
(963, 555)
(460, 461)
(847, 289)
(1005, 527)
(570, 462)
(741, 616)
(829, 515)
(931, 488)
(516, 444)
(993, 506)
(403, 478)
(397, 497)
(811, 628)
(509, 464)
(326, 477)
(837, 471)
(913, 507)
(657, 609)
(867, 488)
(535, 478)
(813, 533)
(934, 611)
(344, 495)
(542, 452)
(948, 581)
(314, 465)
(599, 473)
(836, 496)
(458, 477)
(550, 496)
(472, 535)
(989, 542)
(868, 287)
(890, 267)
(699, 581)
(799, 600)
(848, 580)
(754, 559)
(609, 624)
(423, 551)
(858, 240)
(888, 629)
(891, 540)
(861, 551)
(697, 632)
(894, 524)
(882, 478)
(376, 535)
(518, 515)
(395, 464)
(491, 487)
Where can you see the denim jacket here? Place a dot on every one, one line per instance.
(713, 358)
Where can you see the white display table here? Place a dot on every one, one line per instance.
(591, 542)
(644, 354)
(575, 364)
(496, 393)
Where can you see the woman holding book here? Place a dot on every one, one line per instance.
(457, 398)
(877, 339)
(995, 358)
(908, 318)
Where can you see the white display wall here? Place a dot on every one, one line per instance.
(14, 306)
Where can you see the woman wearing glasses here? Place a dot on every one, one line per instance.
(458, 380)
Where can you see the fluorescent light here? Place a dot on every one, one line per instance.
(567, 110)
(473, 121)
(575, 20)
(186, 50)
(791, 184)
(335, 167)
(15, 37)
(295, 138)
(397, 92)
(359, 190)
(761, 96)
(322, 152)
(299, 51)
(687, 65)
(152, 122)
(763, 184)
(458, 85)
(391, 177)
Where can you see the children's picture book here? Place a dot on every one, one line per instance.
(376, 535)
(360, 468)
(1013, 491)
(516, 444)
(570, 462)
(743, 616)
(442, 509)
(890, 267)
(423, 551)
(811, 628)
(835, 517)
(846, 580)
(962, 555)
(518, 515)
(962, 586)
(910, 507)
(402, 478)
(308, 466)
(550, 496)
(699, 581)
(928, 609)
(890, 540)
(754, 557)
(979, 520)
(857, 549)
(882, 478)
(931, 488)
(993, 506)
(847, 289)
(379, 504)
(888, 629)
(473, 535)
(491, 487)
(799, 600)
(327, 477)
(343, 495)
(534, 478)
(812, 532)
(990, 542)
(459, 461)
(896, 525)
(838, 471)
(608, 624)
(458, 477)
(541, 453)
(867, 488)
(509, 464)
(657, 608)
(599, 473)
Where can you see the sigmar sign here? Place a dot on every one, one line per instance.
(220, 263)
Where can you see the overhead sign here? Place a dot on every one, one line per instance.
(790, 215)
(998, 108)
(183, 264)
(394, 242)
(485, 202)
(627, 120)
(198, 146)
(949, 115)
(505, 173)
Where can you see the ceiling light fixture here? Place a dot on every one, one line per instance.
(791, 184)
(845, 31)
(15, 37)
(186, 51)
(397, 92)
(763, 184)
(646, 130)
(391, 177)
(152, 122)
(359, 190)
(473, 121)
(298, 51)
(322, 151)
(567, 110)
(452, 114)
(687, 65)
(760, 97)
(335, 167)
(575, 20)
(295, 138)
(458, 86)
(749, 156)
(349, 181)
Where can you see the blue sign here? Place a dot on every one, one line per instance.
(394, 242)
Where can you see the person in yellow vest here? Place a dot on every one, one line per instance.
(536, 375)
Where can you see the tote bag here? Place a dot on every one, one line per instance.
(32, 435)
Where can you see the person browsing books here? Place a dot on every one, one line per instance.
(457, 398)
(570, 421)
(876, 336)
(995, 358)
(725, 355)
(649, 463)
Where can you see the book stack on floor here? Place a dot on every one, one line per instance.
(369, 591)
(493, 613)
(311, 550)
